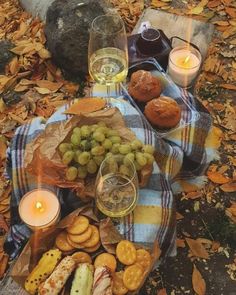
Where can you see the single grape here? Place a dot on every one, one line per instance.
(98, 151)
(85, 131)
(107, 144)
(149, 157)
(98, 136)
(94, 127)
(112, 132)
(115, 139)
(92, 166)
(64, 147)
(94, 143)
(124, 170)
(102, 130)
(76, 155)
(85, 145)
(82, 172)
(119, 158)
(109, 155)
(147, 148)
(141, 160)
(137, 166)
(75, 139)
(98, 159)
(113, 166)
(102, 124)
(67, 157)
(84, 158)
(124, 149)
(71, 173)
(76, 130)
(128, 158)
(136, 144)
(115, 148)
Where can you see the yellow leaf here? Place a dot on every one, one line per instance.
(203, 3)
(196, 10)
(42, 90)
(44, 53)
(52, 86)
(199, 285)
(14, 66)
(157, 3)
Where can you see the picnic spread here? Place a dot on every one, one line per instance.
(56, 168)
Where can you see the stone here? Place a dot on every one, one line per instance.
(67, 31)
(37, 7)
(5, 54)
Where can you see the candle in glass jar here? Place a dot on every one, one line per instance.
(39, 209)
(184, 64)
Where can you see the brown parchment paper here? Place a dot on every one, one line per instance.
(42, 241)
(42, 158)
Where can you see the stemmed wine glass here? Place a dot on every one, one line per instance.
(107, 50)
(116, 189)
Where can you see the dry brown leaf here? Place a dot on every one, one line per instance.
(228, 86)
(157, 3)
(197, 248)
(44, 53)
(52, 86)
(233, 137)
(215, 246)
(221, 23)
(42, 90)
(3, 148)
(86, 105)
(216, 177)
(180, 243)
(213, 3)
(3, 223)
(3, 264)
(179, 216)
(199, 284)
(193, 195)
(162, 292)
(223, 169)
(231, 212)
(14, 66)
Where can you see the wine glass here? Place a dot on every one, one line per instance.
(107, 50)
(116, 189)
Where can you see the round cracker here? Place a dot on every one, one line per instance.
(118, 287)
(144, 259)
(82, 257)
(133, 276)
(126, 252)
(62, 243)
(79, 225)
(75, 245)
(106, 259)
(93, 240)
(82, 237)
(92, 249)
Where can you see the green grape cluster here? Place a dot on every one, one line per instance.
(90, 144)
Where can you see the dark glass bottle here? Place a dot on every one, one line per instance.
(150, 43)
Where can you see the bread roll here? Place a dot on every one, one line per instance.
(143, 86)
(163, 112)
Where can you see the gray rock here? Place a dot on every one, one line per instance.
(5, 54)
(67, 31)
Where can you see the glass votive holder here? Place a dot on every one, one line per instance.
(183, 65)
(39, 209)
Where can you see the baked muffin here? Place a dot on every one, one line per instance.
(163, 112)
(143, 86)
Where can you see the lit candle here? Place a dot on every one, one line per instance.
(39, 209)
(184, 64)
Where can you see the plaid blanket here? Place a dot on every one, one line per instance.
(183, 156)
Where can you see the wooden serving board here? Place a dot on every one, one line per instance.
(197, 32)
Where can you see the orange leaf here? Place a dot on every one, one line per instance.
(52, 86)
(180, 243)
(229, 187)
(216, 177)
(197, 249)
(228, 86)
(162, 292)
(86, 105)
(193, 195)
(3, 264)
(199, 284)
(231, 11)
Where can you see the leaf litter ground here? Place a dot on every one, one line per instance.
(33, 86)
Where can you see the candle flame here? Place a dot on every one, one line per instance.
(186, 59)
(39, 206)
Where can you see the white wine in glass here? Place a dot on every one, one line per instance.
(107, 52)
